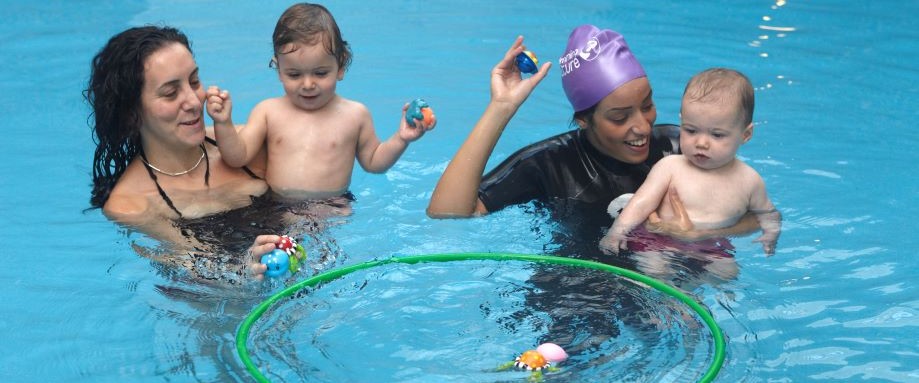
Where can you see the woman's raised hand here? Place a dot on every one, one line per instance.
(507, 83)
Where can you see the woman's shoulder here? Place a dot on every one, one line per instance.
(129, 198)
(553, 145)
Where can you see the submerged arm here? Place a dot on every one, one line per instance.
(768, 217)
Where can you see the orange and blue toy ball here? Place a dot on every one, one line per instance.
(419, 110)
(527, 62)
(278, 263)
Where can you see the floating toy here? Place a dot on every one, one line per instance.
(531, 360)
(244, 332)
(552, 352)
(286, 257)
(538, 360)
(419, 110)
(278, 263)
(527, 62)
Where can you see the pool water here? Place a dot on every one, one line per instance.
(837, 89)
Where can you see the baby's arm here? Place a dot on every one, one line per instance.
(770, 220)
(645, 201)
(237, 148)
(376, 157)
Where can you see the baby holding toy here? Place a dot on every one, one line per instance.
(312, 134)
(715, 187)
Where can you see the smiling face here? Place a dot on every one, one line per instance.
(620, 126)
(711, 132)
(309, 74)
(172, 98)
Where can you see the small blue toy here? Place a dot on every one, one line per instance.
(278, 263)
(527, 62)
(286, 257)
(419, 110)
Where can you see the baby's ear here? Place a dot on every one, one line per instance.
(748, 133)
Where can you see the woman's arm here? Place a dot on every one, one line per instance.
(456, 193)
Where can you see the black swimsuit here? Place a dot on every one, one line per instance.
(225, 235)
(207, 175)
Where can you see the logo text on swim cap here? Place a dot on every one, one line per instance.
(572, 60)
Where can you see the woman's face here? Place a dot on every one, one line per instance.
(622, 121)
(172, 98)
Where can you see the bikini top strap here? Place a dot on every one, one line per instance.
(244, 168)
(158, 187)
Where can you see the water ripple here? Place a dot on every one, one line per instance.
(893, 317)
(821, 355)
(872, 370)
(793, 311)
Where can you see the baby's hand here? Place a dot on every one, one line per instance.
(411, 132)
(612, 243)
(219, 105)
(769, 241)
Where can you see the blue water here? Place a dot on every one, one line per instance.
(837, 89)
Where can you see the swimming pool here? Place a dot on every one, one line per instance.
(837, 89)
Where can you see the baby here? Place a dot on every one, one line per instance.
(716, 188)
(312, 134)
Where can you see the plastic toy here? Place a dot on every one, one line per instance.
(527, 62)
(278, 263)
(419, 110)
(552, 352)
(538, 360)
(286, 257)
(531, 360)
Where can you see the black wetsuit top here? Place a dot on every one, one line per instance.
(567, 167)
(572, 178)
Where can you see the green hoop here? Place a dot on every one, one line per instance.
(242, 334)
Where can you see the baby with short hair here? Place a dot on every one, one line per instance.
(716, 188)
(312, 134)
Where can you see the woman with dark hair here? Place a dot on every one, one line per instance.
(156, 164)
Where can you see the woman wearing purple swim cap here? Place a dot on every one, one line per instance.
(609, 154)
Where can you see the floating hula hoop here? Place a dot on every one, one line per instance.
(242, 334)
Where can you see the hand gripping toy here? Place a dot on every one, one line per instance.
(286, 257)
(527, 62)
(419, 110)
(538, 360)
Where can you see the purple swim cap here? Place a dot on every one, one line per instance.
(596, 62)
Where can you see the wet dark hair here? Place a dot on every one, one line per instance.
(115, 83)
(306, 23)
